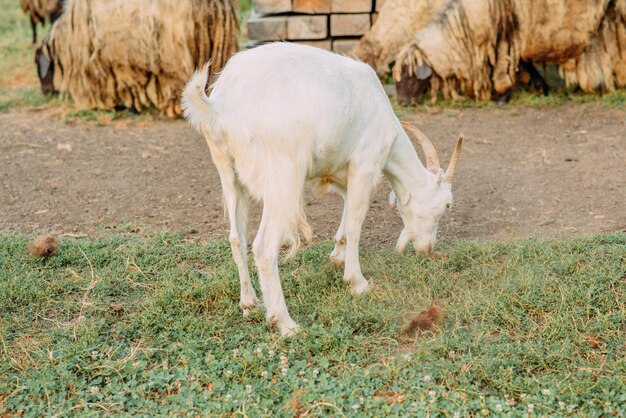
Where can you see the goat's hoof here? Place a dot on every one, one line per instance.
(289, 331)
(336, 262)
(435, 255)
(284, 323)
(287, 327)
(248, 303)
(360, 288)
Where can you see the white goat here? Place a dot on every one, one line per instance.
(283, 113)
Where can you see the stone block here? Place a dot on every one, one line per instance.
(307, 27)
(349, 24)
(351, 6)
(344, 46)
(311, 6)
(271, 6)
(273, 28)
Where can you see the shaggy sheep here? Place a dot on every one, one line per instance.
(475, 46)
(40, 11)
(135, 53)
(396, 25)
(603, 64)
(282, 113)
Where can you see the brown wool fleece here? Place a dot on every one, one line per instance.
(427, 320)
(43, 247)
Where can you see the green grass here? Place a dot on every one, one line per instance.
(520, 99)
(151, 326)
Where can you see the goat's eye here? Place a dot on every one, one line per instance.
(447, 206)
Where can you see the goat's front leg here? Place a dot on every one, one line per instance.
(360, 184)
(236, 199)
(338, 255)
(266, 248)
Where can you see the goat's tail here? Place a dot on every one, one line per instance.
(196, 106)
(283, 203)
(301, 226)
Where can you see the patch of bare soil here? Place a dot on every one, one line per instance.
(523, 172)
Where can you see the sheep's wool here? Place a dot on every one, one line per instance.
(475, 45)
(397, 23)
(138, 53)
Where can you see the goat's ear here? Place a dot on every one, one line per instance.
(440, 176)
(423, 72)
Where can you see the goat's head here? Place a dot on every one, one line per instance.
(410, 86)
(422, 208)
(45, 67)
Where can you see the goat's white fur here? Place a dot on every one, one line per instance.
(281, 114)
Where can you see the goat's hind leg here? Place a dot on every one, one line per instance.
(239, 246)
(266, 248)
(236, 199)
(338, 255)
(282, 216)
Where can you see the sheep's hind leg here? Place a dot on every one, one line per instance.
(266, 248)
(236, 199)
(361, 181)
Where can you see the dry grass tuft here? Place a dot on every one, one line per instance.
(427, 320)
(43, 247)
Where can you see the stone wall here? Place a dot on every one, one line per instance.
(336, 25)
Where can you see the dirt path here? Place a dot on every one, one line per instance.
(522, 172)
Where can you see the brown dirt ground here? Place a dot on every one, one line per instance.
(523, 172)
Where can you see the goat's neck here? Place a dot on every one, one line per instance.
(403, 169)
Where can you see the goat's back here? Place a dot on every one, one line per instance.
(284, 93)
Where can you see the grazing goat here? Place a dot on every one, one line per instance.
(281, 114)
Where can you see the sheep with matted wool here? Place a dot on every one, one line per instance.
(603, 64)
(475, 46)
(395, 26)
(135, 53)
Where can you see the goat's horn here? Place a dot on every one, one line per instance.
(455, 158)
(432, 160)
